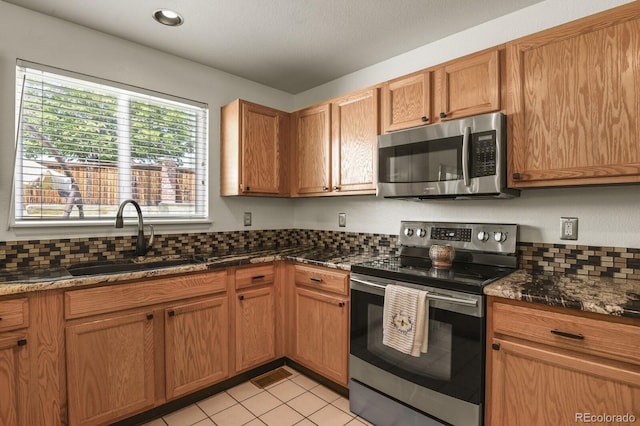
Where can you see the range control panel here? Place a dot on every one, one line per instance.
(485, 237)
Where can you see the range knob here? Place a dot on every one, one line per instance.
(500, 237)
(421, 232)
(483, 236)
(408, 232)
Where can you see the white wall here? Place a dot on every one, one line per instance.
(38, 38)
(608, 216)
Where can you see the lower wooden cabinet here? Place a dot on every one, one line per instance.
(196, 345)
(134, 346)
(255, 327)
(14, 379)
(319, 324)
(110, 367)
(550, 368)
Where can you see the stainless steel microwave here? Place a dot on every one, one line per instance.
(464, 158)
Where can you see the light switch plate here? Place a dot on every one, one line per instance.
(342, 220)
(247, 218)
(568, 228)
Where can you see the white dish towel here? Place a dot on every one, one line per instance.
(405, 319)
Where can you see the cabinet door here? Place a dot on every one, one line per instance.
(574, 102)
(406, 102)
(262, 131)
(14, 377)
(355, 133)
(196, 345)
(321, 333)
(468, 86)
(312, 156)
(110, 368)
(537, 386)
(255, 327)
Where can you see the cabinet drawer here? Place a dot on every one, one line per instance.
(14, 314)
(118, 297)
(255, 276)
(322, 278)
(591, 336)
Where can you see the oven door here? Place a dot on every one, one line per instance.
(447, 382)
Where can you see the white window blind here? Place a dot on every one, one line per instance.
(85, 145)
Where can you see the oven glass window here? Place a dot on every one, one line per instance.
(429, 161)
(453, 364)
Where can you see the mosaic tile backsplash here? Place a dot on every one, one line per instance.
(614, 262)
(42, 254)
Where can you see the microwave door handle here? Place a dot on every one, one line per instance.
(465, 155)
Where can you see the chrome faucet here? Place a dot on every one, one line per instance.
(141, 245)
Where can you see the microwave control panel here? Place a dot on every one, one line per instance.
(483, 154)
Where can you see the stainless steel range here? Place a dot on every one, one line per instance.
(445, 385)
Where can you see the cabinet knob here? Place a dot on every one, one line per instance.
(0, 318)
(149, 316)
(325, 188)
(341, 304)
(424, 119)
(516, 176)
(171, 313)
(22, 342)
(241, 297)
(495, 346)
(443, 115)
(336, 188)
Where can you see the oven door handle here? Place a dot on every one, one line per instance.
(465, 155)
(434, 296)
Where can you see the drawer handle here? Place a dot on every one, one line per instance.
(316, 280)
(22, 342)
(257, 277)
(569, 335)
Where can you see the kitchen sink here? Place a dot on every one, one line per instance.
(115, 267)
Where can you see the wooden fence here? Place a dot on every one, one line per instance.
(99, 185)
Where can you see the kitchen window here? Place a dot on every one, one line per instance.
(84, 145)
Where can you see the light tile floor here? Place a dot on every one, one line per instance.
(296, 400)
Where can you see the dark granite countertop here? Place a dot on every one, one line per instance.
(604, 295)
(22, 281)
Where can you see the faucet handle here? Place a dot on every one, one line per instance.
(151, 238)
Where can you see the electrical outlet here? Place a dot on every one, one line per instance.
(568, 228)
(342, 220)
(247, 218)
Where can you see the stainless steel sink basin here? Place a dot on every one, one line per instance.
(115, 267)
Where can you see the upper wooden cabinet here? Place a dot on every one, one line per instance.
(254, 142)
(354, 130)
(467, 86)
(463, 87)
(574, 102)
(406, 101)
(312, 150)
(335, 146)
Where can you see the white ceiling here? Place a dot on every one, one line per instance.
(292, 45)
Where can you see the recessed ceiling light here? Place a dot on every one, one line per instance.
(168, 17)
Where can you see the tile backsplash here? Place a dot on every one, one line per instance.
(616, 262)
